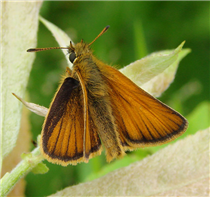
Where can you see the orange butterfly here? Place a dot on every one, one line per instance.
(96, 104)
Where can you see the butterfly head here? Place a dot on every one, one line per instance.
(81, 49)
(78, 52)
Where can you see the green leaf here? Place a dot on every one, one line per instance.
(139, 38)
(179, 169)
(41, 168)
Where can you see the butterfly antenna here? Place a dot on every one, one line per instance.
(102, 32)
(44, 49)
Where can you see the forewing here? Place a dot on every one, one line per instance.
(141, 119)
(63, 129)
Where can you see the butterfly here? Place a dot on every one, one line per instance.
(97, 105)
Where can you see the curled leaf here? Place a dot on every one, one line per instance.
(37, 109)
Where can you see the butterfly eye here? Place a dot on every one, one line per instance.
(72, 57)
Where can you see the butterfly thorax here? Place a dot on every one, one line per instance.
(81, 49)
(90, 69)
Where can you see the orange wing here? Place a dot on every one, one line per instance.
(141, 119)
(62, 138)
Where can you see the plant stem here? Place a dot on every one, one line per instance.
(25, 166)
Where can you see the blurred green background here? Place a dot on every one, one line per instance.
(136, 29)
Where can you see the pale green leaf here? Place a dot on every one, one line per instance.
(19, 24)
(61, 37)
(180, 169)
(139, 37)
(155, 71)
(161, 82)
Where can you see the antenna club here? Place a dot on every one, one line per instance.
(107, 27)
(31, 50)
